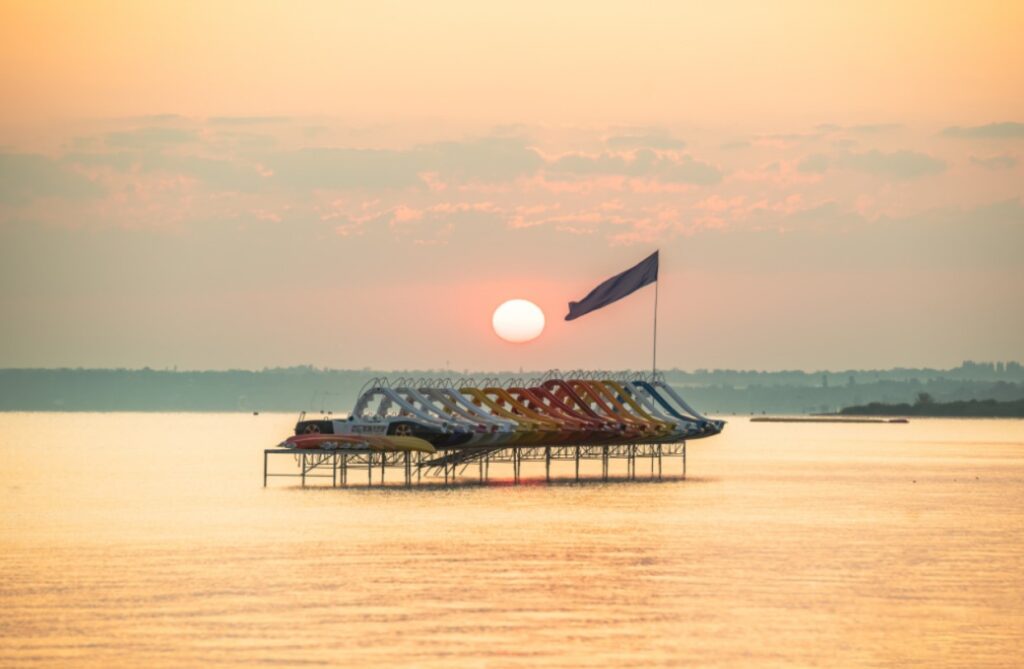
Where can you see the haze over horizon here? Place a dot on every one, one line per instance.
(997, 368)
(350, 187)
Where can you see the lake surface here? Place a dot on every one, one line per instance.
(147, 540)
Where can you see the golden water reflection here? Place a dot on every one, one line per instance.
(146, 540)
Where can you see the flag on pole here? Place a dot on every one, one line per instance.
(617, 287)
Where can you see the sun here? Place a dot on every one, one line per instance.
(518, 321)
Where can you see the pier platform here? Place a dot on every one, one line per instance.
(344, 468)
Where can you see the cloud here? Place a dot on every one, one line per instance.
(1000, 162)
(899, 165)
(118, 160)
(150, 137)
(987, 235)
(345, 168)
(24, 177)
(690, 171)
(240, 139)
(247, 120)
(179, 152)
(487, 159)
(578, 163)
(814, 164)
(832, 237)
(643, 163)
(214, 173)
(822, 216)
(165, 181)
(873, 128)
(790, 137)
(864, 128)
(786, 140)
(1005, 130)
(150, 118)
(646, 140)
(384, 221)
(895, 165)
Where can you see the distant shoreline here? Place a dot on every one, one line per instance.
(930, 409)
(714, 392)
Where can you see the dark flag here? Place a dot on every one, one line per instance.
(617, 287)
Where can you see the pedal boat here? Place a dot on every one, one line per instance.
(346, 442)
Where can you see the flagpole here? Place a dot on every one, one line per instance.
(654, 348)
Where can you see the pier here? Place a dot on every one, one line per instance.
(365, 468)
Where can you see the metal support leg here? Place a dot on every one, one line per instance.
(659, 462)
(547, 464)
(369, 469)
(344, 469)
(684, 459)
(264, 469)
(577, 463)
(408, 469)
(383, 462)
(303, 470)
(604, 462)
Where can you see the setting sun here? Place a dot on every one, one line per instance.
(518, 321)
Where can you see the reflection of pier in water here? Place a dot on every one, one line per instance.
(367, 468)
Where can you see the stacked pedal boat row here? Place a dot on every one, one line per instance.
(582, 410)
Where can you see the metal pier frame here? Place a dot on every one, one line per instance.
(347, 468)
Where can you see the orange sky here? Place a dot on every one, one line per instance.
(741, 63)
(831, 185)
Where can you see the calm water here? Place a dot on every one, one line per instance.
(147, 540)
